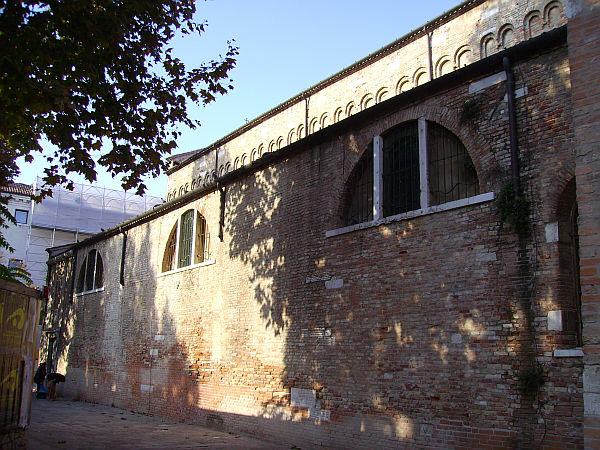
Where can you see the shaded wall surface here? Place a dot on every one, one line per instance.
(584, 54)
(413, 332)
(19, 340)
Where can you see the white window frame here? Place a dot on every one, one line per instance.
(193, 264)
(26, 216)
(85, 263)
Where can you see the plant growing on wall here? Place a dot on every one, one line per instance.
(513, 209)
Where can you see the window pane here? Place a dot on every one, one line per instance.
(99, 281)
(452, 175)
(401, 184)
(81, 278)
(21, 216)
(89, 270)
(360, 196)
(185, 238)
(201, 250)
(169, 258)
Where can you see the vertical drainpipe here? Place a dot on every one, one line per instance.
(123, 252)
(430, 53)
(512, 123)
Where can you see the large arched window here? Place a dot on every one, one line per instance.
(91, 275)
(418, 164)
(187, 243)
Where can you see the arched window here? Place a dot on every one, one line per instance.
(422, 164)
(188, 242)
(91, 275)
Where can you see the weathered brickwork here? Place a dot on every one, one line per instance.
(457, 39)
(584, 55)
(417, 332)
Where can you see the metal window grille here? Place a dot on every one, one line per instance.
(169, 258)
(90, 262)
(201, 250)
(99, 272)
(360, 204)
(401, 184)
(81, 278)
(186, 235)
(452, 175)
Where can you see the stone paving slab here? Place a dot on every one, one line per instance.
(66, 425)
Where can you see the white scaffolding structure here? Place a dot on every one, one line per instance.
(71, 216)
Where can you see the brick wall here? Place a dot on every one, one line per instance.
(584, 54)
(411, 333)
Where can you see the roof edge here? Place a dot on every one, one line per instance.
(349, 70)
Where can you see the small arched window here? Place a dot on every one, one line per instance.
(188, 242)
(91, 276)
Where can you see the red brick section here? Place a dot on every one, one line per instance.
(584, 54)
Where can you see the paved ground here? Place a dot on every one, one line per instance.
(68, 425)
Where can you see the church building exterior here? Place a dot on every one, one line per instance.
(404, 255)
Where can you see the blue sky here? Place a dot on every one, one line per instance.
(285, 46)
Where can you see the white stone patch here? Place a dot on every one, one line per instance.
(316, 279)
(456, 338)
(521, 92)
(303, 398)
(146, 388)
(551, 232)
(568, 353)
(489, 12)
(320, 414)
(159, 337)
(334, 283)
(555, 320)
(153, 352)
(485, 256)
(486, 82)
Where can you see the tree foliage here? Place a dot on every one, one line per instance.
(99, 78)
(15, 274)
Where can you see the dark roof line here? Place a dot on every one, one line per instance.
(18, 189)
(367, 60)
(492, 64)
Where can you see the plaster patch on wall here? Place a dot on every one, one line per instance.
(303, 398)
(486, 82)
(334, 283)
(146, 388)
(159, 337)
(153, 352)
(551, 232)
(555, 320)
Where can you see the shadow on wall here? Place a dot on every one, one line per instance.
(392, 349)
(121, 344)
